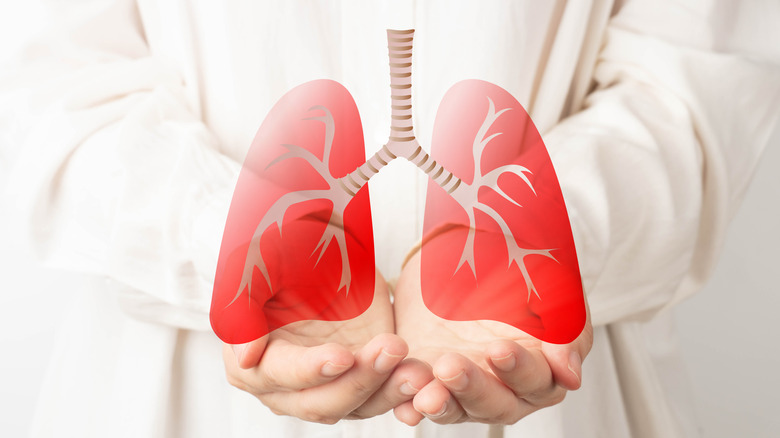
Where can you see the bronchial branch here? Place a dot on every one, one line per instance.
(402, 143)
(336, 193)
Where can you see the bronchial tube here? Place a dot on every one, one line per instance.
(401, 142)
(399, 44)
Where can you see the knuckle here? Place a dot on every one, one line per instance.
(361, 387)
(269, 378)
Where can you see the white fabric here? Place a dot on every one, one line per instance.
(126, 125)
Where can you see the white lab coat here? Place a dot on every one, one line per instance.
(128, 124)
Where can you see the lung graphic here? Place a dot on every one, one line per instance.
(298, 244)
(497, 244)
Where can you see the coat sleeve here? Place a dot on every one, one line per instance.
(113, 172)
(653, 167)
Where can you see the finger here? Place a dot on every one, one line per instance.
(233, 373)
(566, 360)
(289, 367)
(334, 400)
(565, 364)
(436, 403)
(526, 372)
(482, 396)
(405, 381)
(248, 355)
(406, 414)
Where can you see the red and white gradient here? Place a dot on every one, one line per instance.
(298, 243)
(499, 246)
(497, 243)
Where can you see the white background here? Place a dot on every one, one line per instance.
(729, 331)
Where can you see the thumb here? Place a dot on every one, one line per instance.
(248, 355)
(565, 360)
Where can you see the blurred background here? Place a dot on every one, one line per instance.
(728, 332)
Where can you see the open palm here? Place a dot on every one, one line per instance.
(486, 371)
(324, 371)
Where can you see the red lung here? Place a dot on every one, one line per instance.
(539, 225)
(303, 285)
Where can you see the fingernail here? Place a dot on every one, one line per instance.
(239, 350)
(575, 365)
(330, 369)
(385, 362)
(408, 389)
(505, 363)
(439, 413)
(457, 382)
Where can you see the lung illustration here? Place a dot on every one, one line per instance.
(298, 242)
(497, 243)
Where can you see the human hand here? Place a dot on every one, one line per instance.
(485, 371)
(323, 371)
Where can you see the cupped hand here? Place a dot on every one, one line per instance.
(323, 371)
(485, 371)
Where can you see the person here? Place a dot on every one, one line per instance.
(131, 119)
